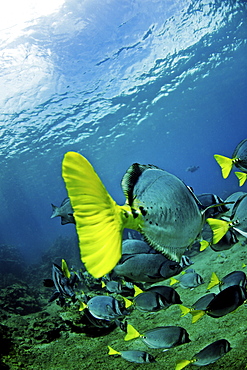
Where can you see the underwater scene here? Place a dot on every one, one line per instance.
(123, 149)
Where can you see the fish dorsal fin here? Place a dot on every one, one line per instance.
(225, 164)
(132, 333)
(182, 364)
(242, 177)
(213, 281)
(130, 179)
(66, 200)
(113, 351)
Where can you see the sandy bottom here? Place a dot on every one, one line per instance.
(74, 350)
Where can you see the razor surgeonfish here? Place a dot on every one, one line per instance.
(207, 355)
(188, 279)
(233, 278)
(105, 308)
(158, 204)
(65, 211)
(148, 268)
(224, 302)
(160, 337)
(239, 159)
(139, 357)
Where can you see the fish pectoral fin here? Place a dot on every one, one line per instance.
(242, 177)
(181, 364)
(213, 281)
(132, 333)
(219, 228)
(225, 164)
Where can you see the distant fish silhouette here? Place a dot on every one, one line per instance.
(192, 168)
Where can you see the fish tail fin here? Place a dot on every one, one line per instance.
(225, 164)
(82, 306)
(213, 281)
(182, 364)
(242, 177)
(203, 245)
(219, 228)
(196, 315)
(173, 281)
(137, 290)
(113, 351)
(184, 310)
(127, 302)
(99, 220)
(54, 211)
(132, 333)
(65, 269)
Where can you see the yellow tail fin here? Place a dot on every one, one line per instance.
(99, 220)
(242, 177)
(127, 302)
(65, 269)
(113, 351)
(225, 164)
(82, 306)
(132, 333)
(213, 281)
(181, 364)
(219, 228)
(137, 290)
(184, 310)
(173, 281)
(203, 245)
(196, 315)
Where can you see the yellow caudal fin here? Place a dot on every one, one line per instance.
(132, 333)
(65, 269)
(219, 228)
(181, 364)
(113, 351)
(242, 177)
(213, 281)
(184, 310)
(203, 245)
(173, 281)
(137, 290)
(225, 164)
(82, 306)
(196, 315)
(127, 302)
(99, 220)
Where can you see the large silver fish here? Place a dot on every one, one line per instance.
(158, 204)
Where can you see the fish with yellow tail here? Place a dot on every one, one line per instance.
(158, 204)
(207, 355)
(226, 301)
(139, 357)
(239, 160)
(160, 337)
(237, 221)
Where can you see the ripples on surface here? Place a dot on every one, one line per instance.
(88, 74)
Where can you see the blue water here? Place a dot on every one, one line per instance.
(160, 82)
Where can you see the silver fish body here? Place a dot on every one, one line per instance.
(165, 337)
(146, 267)
(171, 216)
(139, 357)
(212, 352)
(105, 308)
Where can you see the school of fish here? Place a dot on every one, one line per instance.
(173, 224)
